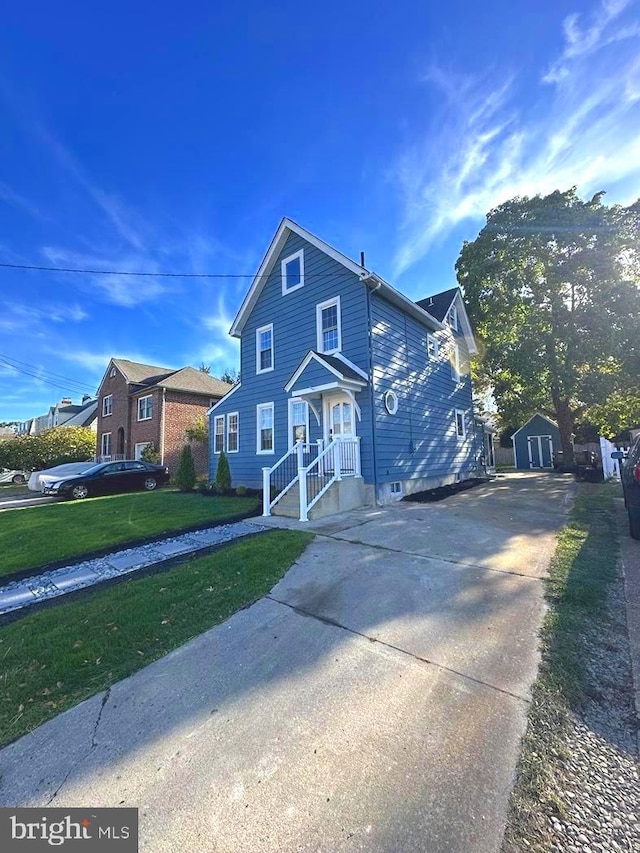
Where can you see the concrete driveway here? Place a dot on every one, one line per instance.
(373, 701)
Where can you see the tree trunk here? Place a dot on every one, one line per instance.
(564, 417)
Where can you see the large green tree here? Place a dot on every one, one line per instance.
(552, 286)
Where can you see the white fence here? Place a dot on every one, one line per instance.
(610, 467)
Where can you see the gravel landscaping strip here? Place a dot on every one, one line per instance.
(579, 783)
(56, 582)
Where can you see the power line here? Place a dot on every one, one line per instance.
(151, 274)
(45, 379)
(48, 372)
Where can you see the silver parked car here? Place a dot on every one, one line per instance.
(39, 479)
(16, 477)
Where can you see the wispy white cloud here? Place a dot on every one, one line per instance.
(32, 319)
(485, 147)
(127, 291)
(8, 196)
(218, 349)
(96, 362)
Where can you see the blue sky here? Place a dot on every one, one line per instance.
(163, 137)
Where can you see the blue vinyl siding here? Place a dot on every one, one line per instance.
(313, 375)
(294, 333)
(420, 440)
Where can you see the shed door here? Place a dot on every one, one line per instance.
(533, 446)
(546, 451)
(540, 449)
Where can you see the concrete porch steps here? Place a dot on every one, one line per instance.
(348, 493)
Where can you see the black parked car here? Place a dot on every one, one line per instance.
(630, 475)
(110, 478)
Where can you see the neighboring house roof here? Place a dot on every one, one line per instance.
(195, 381)
(187, 379)
(288, 226)
(85, 416)
(536, 415)
(137, 373)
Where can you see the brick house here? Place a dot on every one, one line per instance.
(143, 404)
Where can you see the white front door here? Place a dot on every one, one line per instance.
(339, 420)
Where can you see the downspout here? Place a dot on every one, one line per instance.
(371, 393)
(164, 393)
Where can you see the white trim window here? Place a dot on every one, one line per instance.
(433, 346)
(139, 448)
(107, 405)
(461, 423)
(292, 270)
(264, 432)
(232, 432)
(264, 349)
(145, 407)
(328, 333)
(452, 317)
(298, 421)
(218, 434)
(455, 362)
(105, 444)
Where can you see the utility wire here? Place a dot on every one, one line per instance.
(17, 361)
(153, 274)
(44, 379)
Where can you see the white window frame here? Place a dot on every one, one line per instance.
(290, 424)
(395, 488)
(105, 413)
(103, 451)
(259, 409)
(259, 331)
(462, 414)
(433, 344)
(216, 433)
(452, 317)
(329, 303)
(455, 362)
(283, 272)
(237, 432)
(138, 449)
(146, 417)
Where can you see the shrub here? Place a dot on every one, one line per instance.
(186, 473)
(241, 491)
(150, 454)
(223, 474)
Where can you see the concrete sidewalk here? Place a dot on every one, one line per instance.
(373, 701)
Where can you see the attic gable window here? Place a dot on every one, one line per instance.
(292, 268)
(452, 317)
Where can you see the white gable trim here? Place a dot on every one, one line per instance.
(350, 364)
(223, 399)
(536, 415)
(464, 324)
(313, 356)
(286, 227)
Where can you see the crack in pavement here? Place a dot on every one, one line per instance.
(83, 758)
(328, 621)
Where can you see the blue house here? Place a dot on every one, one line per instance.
(349, 392)
(535, 443)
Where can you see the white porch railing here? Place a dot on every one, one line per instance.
(340, 458)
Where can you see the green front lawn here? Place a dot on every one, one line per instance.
(35, 536)
(54, 659)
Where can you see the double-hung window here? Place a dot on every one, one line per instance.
(329, 337)
(292, 268)
(264, 348)
(264, 413)
(433, 347)
(455, 362)
(232, 432)
(107, 405)
(145, 408)
(298, 421)
(105, 444)
(218, 434)
(452, 318)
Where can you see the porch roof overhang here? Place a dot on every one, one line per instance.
(325, 373)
